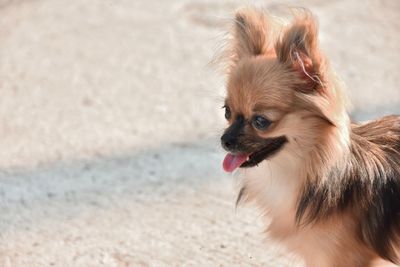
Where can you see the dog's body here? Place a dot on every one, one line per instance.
(330, 187)
(333, 232)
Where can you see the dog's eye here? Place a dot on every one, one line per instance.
(227, 112)
(260, 123)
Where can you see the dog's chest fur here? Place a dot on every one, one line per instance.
(275, 186)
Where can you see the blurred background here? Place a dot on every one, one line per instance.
(110, 119)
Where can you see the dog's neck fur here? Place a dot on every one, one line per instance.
(363, 182)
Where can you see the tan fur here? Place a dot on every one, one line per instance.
(286, 77)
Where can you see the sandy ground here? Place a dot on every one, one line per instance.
(109, 124)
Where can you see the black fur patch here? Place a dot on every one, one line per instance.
(271, 147)
(240, 196)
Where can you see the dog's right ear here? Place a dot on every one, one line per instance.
(298, 48)
(250, 34)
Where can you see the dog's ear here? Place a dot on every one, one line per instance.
(250, 34)
(298, 48)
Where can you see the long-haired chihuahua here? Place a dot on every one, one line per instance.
(330, 187)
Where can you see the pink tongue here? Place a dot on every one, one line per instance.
(231, 162)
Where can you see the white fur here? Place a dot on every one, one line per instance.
(274, 187)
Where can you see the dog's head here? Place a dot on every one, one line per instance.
(278, 89)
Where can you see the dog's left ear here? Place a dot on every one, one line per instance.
(251, 34)
(298, 48)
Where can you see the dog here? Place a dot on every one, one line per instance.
(330, 187)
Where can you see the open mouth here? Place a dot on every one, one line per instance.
(246, 160)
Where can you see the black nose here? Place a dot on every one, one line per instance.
(228, 141)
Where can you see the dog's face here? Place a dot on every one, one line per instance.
(257, 99)
(269, 90)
